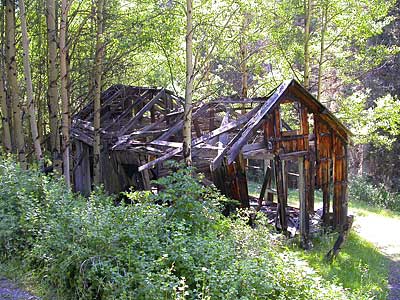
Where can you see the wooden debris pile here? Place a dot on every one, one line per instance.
(142, 128)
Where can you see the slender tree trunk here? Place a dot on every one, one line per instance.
(243, 57)
(324, 20)
(187, 114)
(307, 25)
(29, 86)
(4, 112)
(243, 61)
(18, 132)
(97, 91)
(93, 49)
(53, 99)
(64, 90)
(40, 74)
(3, 95)
(244, 71)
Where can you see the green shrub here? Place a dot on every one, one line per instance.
(362, 190)
(174, 245)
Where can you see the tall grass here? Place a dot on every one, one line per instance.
(359, 267)
(173, 245)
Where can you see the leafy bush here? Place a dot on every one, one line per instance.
(376, 195)
(174, 245)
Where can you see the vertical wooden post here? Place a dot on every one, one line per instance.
(266, 184)
(311, 181)
(285, 179)
(325, 190)
(304, 217)
(282, 195)
(145, 178)
(82, 178)
(324, 155)
(241, 181)
(270, 196)
(345, 186)
(340, 182)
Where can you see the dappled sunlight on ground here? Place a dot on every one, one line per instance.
(383, 231)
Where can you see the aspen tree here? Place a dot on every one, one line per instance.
(29, 86)
(324, 23)
(187, 115)
(52, 91)
(65, 5)
(97, 91)
(307, 25)
(17, 129)
(3, 96)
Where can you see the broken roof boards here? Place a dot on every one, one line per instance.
(142, 128)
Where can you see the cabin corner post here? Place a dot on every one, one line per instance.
(345, 201)
(310, 180)
(339, 182)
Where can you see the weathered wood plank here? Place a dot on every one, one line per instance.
(140, 113)
(292, 155)
(82, 181)
(255, 122)
(128, 110)
(253, 147)
(304, 217)
(259, 154)
(218, 159)
(201, 111)
(204, 138)
(266, 184)
(282, 195)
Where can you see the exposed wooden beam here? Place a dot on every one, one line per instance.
(255, 122)
(140, 113)
(204, 138)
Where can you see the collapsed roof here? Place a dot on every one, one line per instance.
(149, 121)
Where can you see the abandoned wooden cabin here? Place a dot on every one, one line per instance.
(142, 129)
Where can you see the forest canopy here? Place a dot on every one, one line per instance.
(72, 50)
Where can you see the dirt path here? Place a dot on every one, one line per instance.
(9, 291)
(384, 232)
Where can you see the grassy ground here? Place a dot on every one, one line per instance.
(363, 209)
(361, 266)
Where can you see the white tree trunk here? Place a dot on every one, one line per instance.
(4, 111)
(5, 118)
(53, 104)
(12, 81)
(243, 56)
(29, 87)
(64, 90)
(3, 95)
(307, 25)
(324, 22)
(98, 69)
(187, 115)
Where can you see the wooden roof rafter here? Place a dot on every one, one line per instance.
(151, 120)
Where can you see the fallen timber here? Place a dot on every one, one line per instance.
(141, 128)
